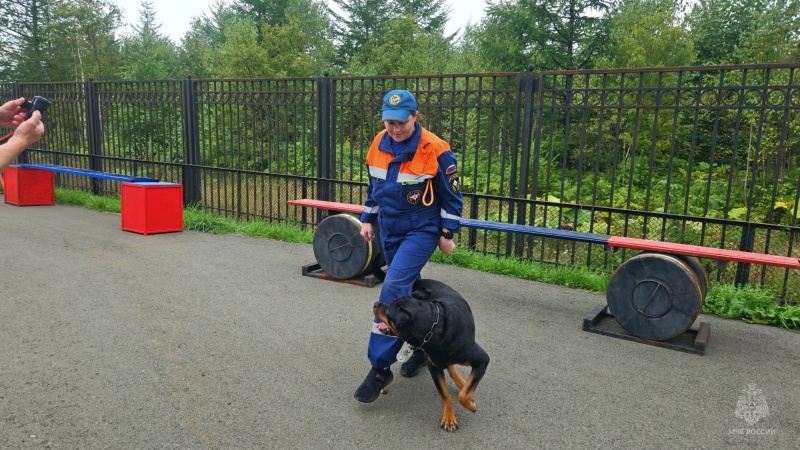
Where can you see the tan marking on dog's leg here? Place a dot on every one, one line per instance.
(465, 394)
(449, 421)
(456, 376)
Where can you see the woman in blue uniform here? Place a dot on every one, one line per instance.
(414, 196)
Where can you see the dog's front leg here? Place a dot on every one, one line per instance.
(479, 364)
(449, 421)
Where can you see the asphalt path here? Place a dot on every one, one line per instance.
(115, 340)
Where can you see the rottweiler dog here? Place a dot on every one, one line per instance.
(436, 319)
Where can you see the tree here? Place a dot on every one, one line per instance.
(312, 21)
(406, 48)
(23, 41)
(272, 12)
(648, 33)
(717, 26)
(774, 36)
(82, 41)
(562, 34)
(205, 34)
(58, 40)
(745, 31)
(430, 15)
(146, 53)
(361, 20)
(240, 55)
(468, 51)
(231, 45)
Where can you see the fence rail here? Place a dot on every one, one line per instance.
(699, 155)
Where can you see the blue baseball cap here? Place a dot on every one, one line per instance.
(398, 105)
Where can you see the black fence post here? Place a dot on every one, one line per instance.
(16, 90)
(513, 244)
(324, 157)
(94, 130)
(745, 245)
(325, 154)
(529, 130)
(192, 192)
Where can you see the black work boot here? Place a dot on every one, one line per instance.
(376, 381)
(411, 367)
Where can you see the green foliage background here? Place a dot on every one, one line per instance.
(74, 40)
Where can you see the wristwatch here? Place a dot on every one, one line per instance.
(447, 234)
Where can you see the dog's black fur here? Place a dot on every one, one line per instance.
(438, 319)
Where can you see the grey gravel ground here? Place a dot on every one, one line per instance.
(189, 340)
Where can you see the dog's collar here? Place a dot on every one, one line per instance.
(430, 333)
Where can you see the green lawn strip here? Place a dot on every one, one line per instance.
(751, 304)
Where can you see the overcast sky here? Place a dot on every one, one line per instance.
(175, 15)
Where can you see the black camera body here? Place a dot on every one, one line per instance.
(37, 103)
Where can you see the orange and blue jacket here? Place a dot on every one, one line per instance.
(398, 184)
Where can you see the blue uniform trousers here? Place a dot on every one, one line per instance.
(406, 252)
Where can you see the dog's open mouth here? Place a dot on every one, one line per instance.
(385, 327)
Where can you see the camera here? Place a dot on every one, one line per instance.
(37, 103)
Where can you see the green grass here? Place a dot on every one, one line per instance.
(750, 304)
(196, 219)
(87, 200)
(573, 277)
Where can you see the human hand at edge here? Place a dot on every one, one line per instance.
(366, 231)
(12, 114)
(28, 131)
(446, 245)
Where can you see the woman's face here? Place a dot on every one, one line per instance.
(400, 131)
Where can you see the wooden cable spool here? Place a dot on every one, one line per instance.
(341, 251)
(657, 296)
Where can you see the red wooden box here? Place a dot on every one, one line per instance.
(28, 187)
(149, 208)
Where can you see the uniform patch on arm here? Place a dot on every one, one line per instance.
(455, 186)
(451, 169)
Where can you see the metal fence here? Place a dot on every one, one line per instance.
(700, 155)
(704, 155)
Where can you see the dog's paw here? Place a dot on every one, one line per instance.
(449, 423)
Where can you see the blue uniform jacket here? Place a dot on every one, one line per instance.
(397, 184)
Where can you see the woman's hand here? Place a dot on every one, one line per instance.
(446, 245)
(366, 231)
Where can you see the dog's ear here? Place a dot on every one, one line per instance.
(422, 293)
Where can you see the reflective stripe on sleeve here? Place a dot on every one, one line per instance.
(377, 172)
(373, 210)
(445, 215)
